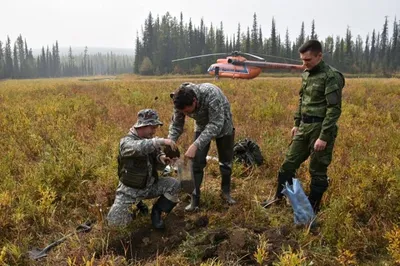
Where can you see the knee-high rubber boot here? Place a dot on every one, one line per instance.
(225, 156)
(162, 205)
(319, 184)
(282, 179)
(315, 200)
(194, 203)
(226, 189)
(198, 173)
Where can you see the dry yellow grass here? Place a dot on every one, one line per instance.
(59, 140)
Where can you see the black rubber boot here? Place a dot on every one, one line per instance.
(226, 196)
(143, 209)
(282, 179)
(162, 205)
(225, 156)
(315, 200)
(319, 184)
(226, 190)
(194, 203)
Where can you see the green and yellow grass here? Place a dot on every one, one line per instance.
(58, 147)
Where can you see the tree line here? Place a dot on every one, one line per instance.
(17, 61)
(167, 38)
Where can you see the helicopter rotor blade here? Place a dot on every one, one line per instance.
(197, 56)
(284, 58)
(255, 56)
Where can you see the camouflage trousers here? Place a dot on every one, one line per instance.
(121, 213)
(302, 147)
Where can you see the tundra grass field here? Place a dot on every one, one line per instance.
(58, 169)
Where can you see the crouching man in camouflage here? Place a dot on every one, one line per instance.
(209, 107)
(139, 155)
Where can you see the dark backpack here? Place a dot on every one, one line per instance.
(247, 152)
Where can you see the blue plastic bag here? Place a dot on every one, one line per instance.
(303, 211)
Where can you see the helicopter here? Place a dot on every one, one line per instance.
(236, 66)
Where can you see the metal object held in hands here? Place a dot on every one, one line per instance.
(185, 175)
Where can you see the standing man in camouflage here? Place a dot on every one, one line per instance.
(139, 155)
(209, 107)
(315, 129)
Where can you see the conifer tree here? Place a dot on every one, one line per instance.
(301, 38)
(384, 44)
(260, 42)
(2, 63)
(254, 35)
(287, 53)
(238, 41)
(274, 41)
(373, 52)
(313, 36)
(247, 46)
(16, 73)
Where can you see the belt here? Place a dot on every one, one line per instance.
(311, 119)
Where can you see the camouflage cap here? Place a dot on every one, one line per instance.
(147, 117)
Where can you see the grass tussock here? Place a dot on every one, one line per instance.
(59, 141)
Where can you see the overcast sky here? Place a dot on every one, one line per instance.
(114, 23)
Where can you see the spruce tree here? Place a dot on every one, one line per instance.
(260, 42)
(254, 35)
(16, 72)
(384, 44)
(373, 52)
(274, 41)
(238, 37)
(247, 46)
(301, 38)
(2, 62)
(314, 35)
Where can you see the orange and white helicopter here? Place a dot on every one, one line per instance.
(237, 66)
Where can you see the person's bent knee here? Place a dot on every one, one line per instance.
(176, 187)
(119, 216)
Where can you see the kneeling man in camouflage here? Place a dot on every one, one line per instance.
(139, 156)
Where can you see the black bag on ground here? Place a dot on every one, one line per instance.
(247, 152)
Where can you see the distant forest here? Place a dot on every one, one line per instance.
(18, 62)
(167, 38)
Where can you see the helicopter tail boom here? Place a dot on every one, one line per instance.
(266, 65)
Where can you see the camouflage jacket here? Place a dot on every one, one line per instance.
(212, 115)
(138, 160)
(321, 96)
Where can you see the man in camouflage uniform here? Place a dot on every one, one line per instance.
(315, 129)
(139, 155)
(209, 107)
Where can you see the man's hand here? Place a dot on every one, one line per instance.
(319, 145)
(294, 131)
(165, 160)
(171, 143)
(191, 152)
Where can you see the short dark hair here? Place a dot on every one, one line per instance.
(313, 46)
(184, 96)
